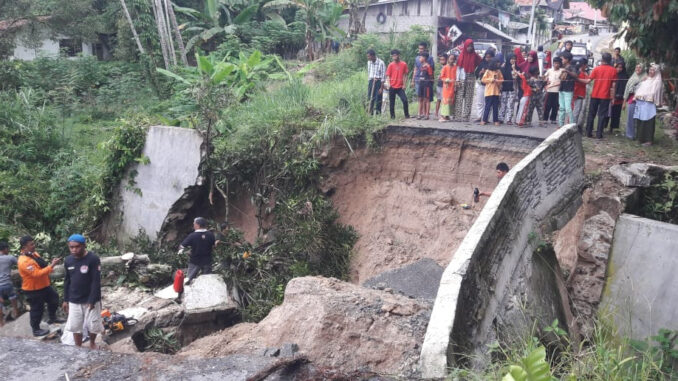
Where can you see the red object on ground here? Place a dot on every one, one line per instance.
(179, 281)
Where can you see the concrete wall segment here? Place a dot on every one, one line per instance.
(175, 156)
(493, 265)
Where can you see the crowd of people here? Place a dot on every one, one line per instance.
(508, 89)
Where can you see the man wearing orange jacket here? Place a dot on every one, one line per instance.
(36, 286)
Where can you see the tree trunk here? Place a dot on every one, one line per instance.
(168, 34)
(177, 33)
(309, 45)
(363, 28)
(131, 25)
(158, 22)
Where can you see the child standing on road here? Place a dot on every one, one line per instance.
(492, 79)
(442, 58)
(552, 90)
(425, 86)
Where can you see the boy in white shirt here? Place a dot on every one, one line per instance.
(552, 88)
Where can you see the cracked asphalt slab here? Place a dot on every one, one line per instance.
(25, 359)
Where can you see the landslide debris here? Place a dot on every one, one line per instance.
(336, 325)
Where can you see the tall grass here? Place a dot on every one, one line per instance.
(604, 356)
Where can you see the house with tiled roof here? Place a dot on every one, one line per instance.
(583, 13)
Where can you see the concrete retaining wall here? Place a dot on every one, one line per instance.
(495, 288)
(641, 281)
(175, 155)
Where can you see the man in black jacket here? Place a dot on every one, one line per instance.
(201, 242)
(82, 291)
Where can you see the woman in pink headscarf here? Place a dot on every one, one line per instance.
(532, 61)
(466, 66)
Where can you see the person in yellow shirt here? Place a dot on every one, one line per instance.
(36, 285)
(492, 79)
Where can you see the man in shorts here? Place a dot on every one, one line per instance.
(6, 288)
(82, 291)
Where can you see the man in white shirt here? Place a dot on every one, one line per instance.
(375, 86)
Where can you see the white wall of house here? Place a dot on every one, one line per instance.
(47, 47)
(400, 16)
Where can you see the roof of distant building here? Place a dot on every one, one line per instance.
(583, 10)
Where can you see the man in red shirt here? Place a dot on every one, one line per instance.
(395, 75)
(604, 77)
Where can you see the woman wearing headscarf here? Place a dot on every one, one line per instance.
(531, 61)
(648, 96)
(448, 76)
(508, 93)
(466, 66)
(629, 92)
(618, 101)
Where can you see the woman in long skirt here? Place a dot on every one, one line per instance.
(634, 81)
(648, 97)
(467, 63)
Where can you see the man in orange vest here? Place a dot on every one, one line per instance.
(36, 286)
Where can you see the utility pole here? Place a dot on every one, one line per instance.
(435, 12)
(531, 27)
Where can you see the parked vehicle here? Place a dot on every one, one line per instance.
(593, 31)
(580, 51)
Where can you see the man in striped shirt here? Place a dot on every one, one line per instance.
(375, 76)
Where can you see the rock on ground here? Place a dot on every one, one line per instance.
(336, 325)
(420, 279)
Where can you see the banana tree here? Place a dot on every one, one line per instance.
(223, 17)
(319, 17)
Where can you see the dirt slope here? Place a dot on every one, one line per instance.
(403, 198)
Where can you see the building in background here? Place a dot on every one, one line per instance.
(452, 20)
(34, 39)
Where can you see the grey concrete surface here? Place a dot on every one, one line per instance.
(419, 279)
(641, 283)
(32, 360)
(174, 155)
(513, 130)
(493, 287)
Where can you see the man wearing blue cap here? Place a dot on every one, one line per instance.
(82, 291)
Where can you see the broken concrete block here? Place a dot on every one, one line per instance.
(639, 174)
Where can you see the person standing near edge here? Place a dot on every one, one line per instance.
(416, 78)
(604, 77)
(36, 285)
(375, 86)
(567, 79)
(201, 242)
(466, 67)
(649, 96)
(82, 291)
(629, 94)
(395, 76)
